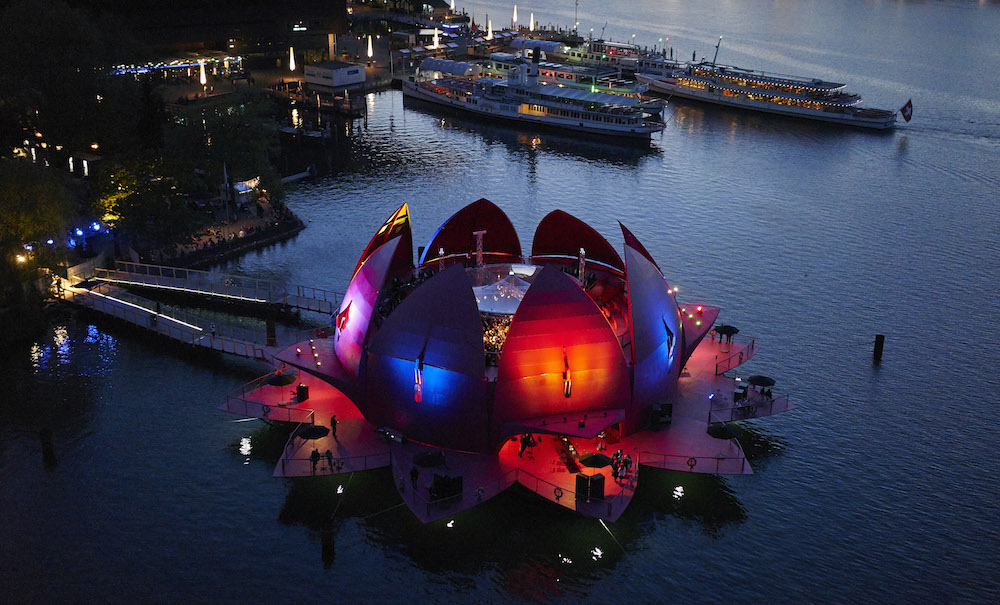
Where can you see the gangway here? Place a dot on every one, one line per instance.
(221, 286)
(163, 319)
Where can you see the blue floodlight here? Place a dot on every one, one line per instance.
(79, 232)
(50, 241)
(95, 226)
(29, 247)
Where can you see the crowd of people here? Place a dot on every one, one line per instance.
(495, 331)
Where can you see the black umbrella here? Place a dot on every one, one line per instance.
(726, 330)
(312, 431)
(280, 380)
(761, 381)
(594, 460)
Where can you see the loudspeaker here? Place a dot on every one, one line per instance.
(597, 487)
(582, 487)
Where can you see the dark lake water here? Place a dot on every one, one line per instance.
(881, 486)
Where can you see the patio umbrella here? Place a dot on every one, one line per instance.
(280, 380)
(726, 330)
(312, 431)
(761, 381)
(594, 460)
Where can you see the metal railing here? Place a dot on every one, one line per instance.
(266, 411)
(690, 463)
(196, 281)
(167, 325)
(754, 406)
(150, 305)
(728, 363)
(299, 467)
(222, 285)
(238, 403)
(480, 492)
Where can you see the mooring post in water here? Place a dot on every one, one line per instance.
(48, 449)
(879, 342)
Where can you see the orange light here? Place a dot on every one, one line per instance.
(298, 351)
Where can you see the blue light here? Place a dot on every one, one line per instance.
(95, 226)
(29, 247)
(79, 232)
(50, 241)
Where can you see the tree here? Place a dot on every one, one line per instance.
(35, 204)
(135, 197)
(238, 134)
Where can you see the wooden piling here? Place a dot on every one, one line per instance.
(877, 353)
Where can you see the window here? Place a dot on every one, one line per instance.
(352, 72)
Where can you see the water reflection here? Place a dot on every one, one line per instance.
(524, 139)
(734, 124)
(541, 550)
(50, 388)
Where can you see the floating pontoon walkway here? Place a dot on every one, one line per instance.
(220, 286)
(161, 319)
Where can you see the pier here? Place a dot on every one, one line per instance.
(220, 286)
(100, 290)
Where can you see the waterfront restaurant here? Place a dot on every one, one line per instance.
(479, 365)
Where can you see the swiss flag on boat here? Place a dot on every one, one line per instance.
(907, 110)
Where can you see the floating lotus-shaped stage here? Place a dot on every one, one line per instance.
(478, 366)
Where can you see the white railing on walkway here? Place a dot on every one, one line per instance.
(221, 285)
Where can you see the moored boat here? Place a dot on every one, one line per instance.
(521, 98)
(576, 76)
(789, 96)
(792, 96)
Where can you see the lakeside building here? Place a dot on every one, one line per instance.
(479, 365)
(333, 74)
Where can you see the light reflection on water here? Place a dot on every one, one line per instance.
(810, 238)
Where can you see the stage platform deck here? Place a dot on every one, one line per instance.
(436, 483)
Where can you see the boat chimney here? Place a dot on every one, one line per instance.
(536, 54)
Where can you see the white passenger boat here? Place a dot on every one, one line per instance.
(758, 91)
(521, 98)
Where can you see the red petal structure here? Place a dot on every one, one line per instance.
(397, 225)
(559, 336)
(457, 236)
(434, 339)
(562, 235)
(360, 299)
